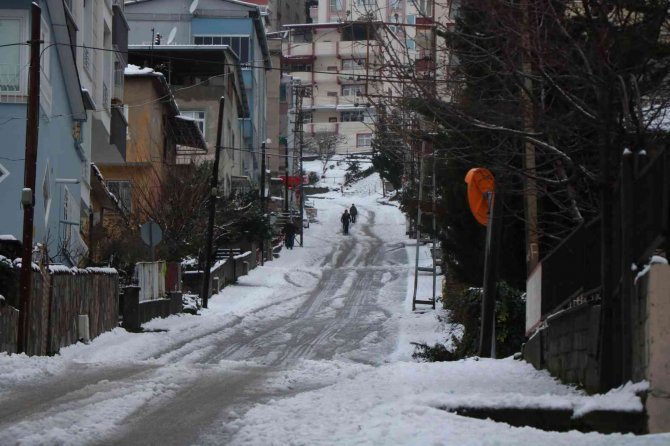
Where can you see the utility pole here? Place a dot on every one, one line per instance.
(301, 94)
(213, 192)
(529, 165)
(30, 167)
(263, 204)
(298, 90)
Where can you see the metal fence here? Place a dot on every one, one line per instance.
(572, 274)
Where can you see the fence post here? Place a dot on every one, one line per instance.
(176, 304)
(627, 233)
(131, 308)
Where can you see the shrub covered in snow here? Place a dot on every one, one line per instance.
(465, 309)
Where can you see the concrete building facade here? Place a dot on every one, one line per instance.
(62, 162)
(239, 25)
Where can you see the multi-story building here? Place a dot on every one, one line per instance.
(101, 46)
(155, 129)
(283, 12)
(62, 160)
(358, 54)
(239, 25)
(332, 61)
(199, 76)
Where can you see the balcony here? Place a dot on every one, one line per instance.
(321, 127)
(118, 130)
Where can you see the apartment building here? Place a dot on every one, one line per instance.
(212, 23)
(358, 54)
(332, 61)
(83, 46)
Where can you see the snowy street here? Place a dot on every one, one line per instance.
(311, 348)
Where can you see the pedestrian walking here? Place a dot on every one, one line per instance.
(289, 234)
(345, 219)
(353, 212)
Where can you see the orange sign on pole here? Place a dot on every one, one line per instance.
(481, 186)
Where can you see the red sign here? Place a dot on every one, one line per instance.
(294, 180)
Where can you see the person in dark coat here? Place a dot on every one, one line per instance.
(353, 212)
(289, 234)
(345, 219)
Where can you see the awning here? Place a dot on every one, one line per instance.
(185, 132)
(298, 59)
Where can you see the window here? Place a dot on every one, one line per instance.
(307, 117)
(352, 116)
(352, 64)
(331, 93)
(395, 4)
(353, 90)
(331, 68)
(198, 116)
(365, 2)
(332, 119)
(299, 67)
(121, 190)
(12, 30)
(90, 39)
(282, 93)
(239, 44)
(336, 5)
(363, 139)
(425, 7)
(396, 29)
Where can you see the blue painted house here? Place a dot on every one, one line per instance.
(237, 24)
(61, 161)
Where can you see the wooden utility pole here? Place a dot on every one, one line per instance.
(529, 167)
(263, 198)
(213, 193)
(30, 168)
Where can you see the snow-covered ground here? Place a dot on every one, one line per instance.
(314, 348)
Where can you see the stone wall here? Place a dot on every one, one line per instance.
(567, 346)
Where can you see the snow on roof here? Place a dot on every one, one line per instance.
(134, 70)
(7, 237)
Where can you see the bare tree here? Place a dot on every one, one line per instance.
(324, 144)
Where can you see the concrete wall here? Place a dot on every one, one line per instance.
(658, 347)
(568, 345)
(56, 153)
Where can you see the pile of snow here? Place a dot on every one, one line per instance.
(134, 70)
(404, 403)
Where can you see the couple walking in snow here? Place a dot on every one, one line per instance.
(349, 216)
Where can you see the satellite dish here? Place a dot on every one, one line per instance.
(194, 6)
(173, 33)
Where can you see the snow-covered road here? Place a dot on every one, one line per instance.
(312, 348)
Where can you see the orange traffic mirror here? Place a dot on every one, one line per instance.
(481, 185)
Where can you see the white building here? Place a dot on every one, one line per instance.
(356, 54)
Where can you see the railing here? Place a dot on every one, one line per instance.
(651, 190)
(572, 269)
